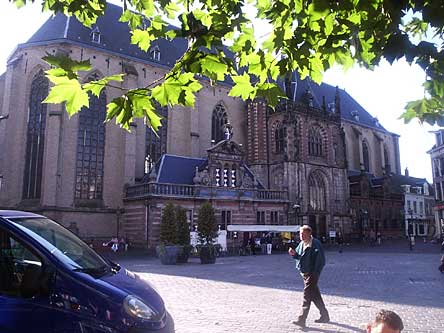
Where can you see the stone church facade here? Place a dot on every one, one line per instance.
(287, 166)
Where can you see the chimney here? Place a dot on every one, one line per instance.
(407, 172)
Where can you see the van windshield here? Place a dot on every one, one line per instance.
(62, 243)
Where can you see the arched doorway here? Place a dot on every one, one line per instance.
(317, 191)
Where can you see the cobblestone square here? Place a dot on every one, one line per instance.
(264, 293)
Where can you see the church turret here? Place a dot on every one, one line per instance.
(337, 102)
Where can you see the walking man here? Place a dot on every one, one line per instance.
(310, 261)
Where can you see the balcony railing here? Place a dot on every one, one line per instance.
(198, 191)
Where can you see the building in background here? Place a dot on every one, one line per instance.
(437, 157)
(418, 206)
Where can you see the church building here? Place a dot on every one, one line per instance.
(256, 165)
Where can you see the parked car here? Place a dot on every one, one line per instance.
(53, 282)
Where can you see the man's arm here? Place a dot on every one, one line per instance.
(294, 253)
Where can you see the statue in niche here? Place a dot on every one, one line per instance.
(228, 131)
(247, 182)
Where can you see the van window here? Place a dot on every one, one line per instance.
(17, 263)
(63, 244)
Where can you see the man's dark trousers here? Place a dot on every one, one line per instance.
(312, 294)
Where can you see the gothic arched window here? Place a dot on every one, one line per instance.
(218, 120)
(315, 142)
(35, 137)
(155, 145)
(91, 149)
(317, 192)
(365, 156)
(279, 138)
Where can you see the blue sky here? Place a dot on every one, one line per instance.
(382, 92)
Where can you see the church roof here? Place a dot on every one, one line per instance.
(351, 110)
(173, 169)
(178, 169)
(114, 37)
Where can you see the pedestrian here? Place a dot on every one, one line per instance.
(386, 322)
(379, 237)
(252, 245)
(340, 241)
(310, 260)
(411, 242)
(441, 266)
(269, 241)
(263, 243)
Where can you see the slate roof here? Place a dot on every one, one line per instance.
(114, 37)
(178, 169)
(173, 169)
(348, 105)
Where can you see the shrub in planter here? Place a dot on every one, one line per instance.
(207, 231)
(167, 249)
(183, 235)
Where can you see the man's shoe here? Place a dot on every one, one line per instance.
(323, 319)
(300, 322)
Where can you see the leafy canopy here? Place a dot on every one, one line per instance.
(307, 36)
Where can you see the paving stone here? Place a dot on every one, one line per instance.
(264, 293)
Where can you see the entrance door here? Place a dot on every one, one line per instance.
(312, 223)
(322, 226)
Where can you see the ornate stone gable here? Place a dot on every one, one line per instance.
(226, 150)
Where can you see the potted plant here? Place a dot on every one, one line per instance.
(183, 235)
(207, 231)
(167, 250)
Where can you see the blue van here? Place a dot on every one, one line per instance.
(53, 282)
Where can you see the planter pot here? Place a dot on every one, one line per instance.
(207, 255)
(183, 254)
(167, 254)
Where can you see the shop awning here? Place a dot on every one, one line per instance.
(263, 227)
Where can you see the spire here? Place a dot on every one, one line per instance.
(337, 102)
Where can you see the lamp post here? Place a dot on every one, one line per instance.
(410, 230)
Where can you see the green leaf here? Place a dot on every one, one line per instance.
(242, 87)
(142, 38)
(271, 92)
(213, 65)
(67, 64)
(172, 9)
(68, 91)
(168, 92)
(134, 20)
(317, 68)
(355, 18)
(329, 24)
(154, 119)
(95, 87)
(318, 9)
